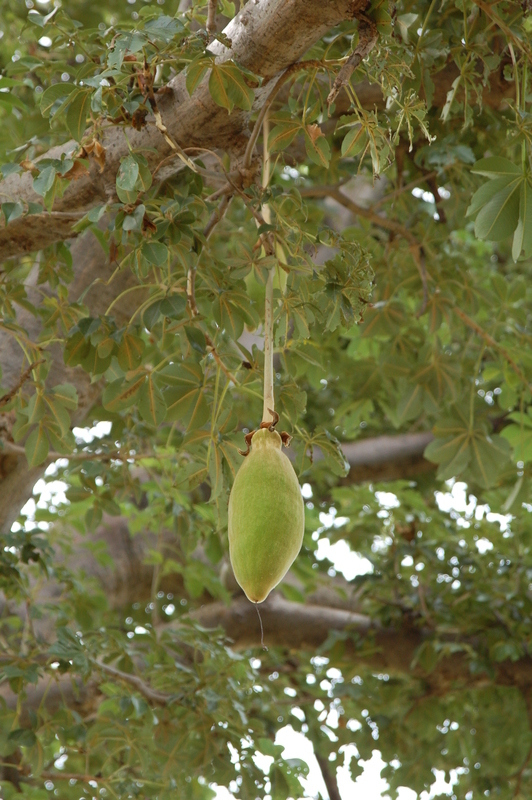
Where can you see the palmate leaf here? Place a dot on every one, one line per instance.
(496, 167)
(498, 219)
(37, 446)
(459, 446)
(487, 192)
(228, 87)
(121, 394)
(77, 113)
(519, 435)
(151, 402)
(503, 205)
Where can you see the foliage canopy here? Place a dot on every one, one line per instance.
(397, 225)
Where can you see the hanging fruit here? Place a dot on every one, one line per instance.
(266, 515)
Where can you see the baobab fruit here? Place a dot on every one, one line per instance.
(266, 517)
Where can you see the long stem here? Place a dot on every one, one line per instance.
(269, 400)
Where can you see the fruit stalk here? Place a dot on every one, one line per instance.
(269, 400)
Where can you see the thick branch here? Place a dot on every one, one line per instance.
(385, 458)
(298, 626)
(266, 39)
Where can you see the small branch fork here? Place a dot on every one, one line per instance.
(217, 215)
(289, 71)
(6, 398)
(367, 39)
(146, 691)
(490, 341)
(416, 248)
(145, 81)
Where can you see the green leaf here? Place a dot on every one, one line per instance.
(215, 472)
(489, 456)
(54, 93)
(410, 403)
(120, 395)
(77, 113)
(128, 173)
(500, 216)
(151, 403)
(451, 453)
(67, 395)
(523, 232)
(486, 192)
(155, 252)
(59, 414)
(283, 134)
(36, 446)
(195, 72)
(36, 408)
(130, 352)
(196, 337)
(318, 149)
(494, 167)
(151, 314)
(228, 316)
(228, 87)
(44, 181)
(76, 349)
(354, 141)
(218, 89)
(10, 101)
(12, 211)
(173, 306)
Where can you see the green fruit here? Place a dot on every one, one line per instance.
(266, 517)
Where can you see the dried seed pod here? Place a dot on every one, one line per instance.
(266, 517)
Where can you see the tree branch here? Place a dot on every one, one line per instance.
(306, 627)
(368, 37)
(266, 39)
(329, 778)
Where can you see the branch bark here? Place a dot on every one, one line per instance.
(266, 39)
(302, 627)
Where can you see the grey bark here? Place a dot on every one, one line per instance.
(298, 626)
(266, 38)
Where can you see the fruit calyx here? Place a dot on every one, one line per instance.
(285, 437)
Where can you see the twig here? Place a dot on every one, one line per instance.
(116, 455)
(519, 775)
(146, 691)
(492, 343)
(289, 71)
(423, 604)
(71, 776)
(367, 39)
(418, 254)
(216, 216)
(488, 10)
(335, 194)
(416, 248)
(388, 197)
(211, 17)
(6, 398)
(145, 81)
